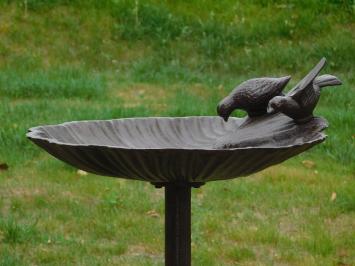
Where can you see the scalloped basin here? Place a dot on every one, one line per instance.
(182, 149)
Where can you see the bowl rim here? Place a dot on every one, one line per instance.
(33, 132)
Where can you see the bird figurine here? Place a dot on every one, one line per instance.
(252, 96)
(300, 102)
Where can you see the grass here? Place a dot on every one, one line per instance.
(72, 60)
(62, 82)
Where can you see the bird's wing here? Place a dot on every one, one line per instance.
(309, 97)
(266, 88)
(307, 81)
(274, 86)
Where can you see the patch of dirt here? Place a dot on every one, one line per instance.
(289, 228)
(140, 250)
(342, 224)
(140, 94)
(26, 192)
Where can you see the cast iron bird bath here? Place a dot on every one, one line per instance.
(179, 153)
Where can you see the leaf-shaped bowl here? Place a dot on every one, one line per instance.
(181, 149)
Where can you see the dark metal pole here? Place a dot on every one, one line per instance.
(178, 224)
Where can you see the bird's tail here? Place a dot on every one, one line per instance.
(326, 80)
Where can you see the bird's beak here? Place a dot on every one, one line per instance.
(221, 114)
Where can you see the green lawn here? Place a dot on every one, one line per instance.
(66, 60)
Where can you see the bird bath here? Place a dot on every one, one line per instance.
(179, 153)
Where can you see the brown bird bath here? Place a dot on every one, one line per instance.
(178, 153)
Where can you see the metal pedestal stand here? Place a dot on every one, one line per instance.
(178, 223)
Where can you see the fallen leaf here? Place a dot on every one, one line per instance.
(308, 164)
(4, 166)
(333, 197)
(153, 213)
(343, 253)
(82, 172)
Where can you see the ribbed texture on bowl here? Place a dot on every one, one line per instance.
(185, 149)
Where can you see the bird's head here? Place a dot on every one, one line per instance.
(276, 104)
(224, 109)
(326, 80)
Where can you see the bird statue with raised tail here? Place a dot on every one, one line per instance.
(300, 102)
(252, 96)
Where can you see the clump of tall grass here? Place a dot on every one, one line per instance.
(13, 232)
(61, 82)
(7, 258)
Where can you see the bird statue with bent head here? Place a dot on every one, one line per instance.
(252, 96)
(300, 102)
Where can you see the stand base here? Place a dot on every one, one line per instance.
(177, 222)
(177, 225)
